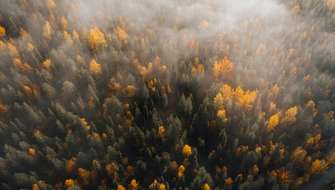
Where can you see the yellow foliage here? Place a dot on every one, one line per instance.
(143, 70)
(307, 78)
(96, 38)
(32, 152)
(299, 155)
(24, 34)
(162, 186)
(23, 67)
(75, 35)
(95, 68)
(223, 67)
(318, 166)
(274, 91)
(156, 185)
(130, 90)
(161, 131)
(47, 30)
(121, 34)
(30, 46)
(331, 5)
(198, 69)
(290, 115)
(120, 187)
(312, 107)
(2, 31)
(206, 187)
(228, 181)
(64, 22)
(12, 50)
(273, 107)
(35, 187)
(283, 176)
(69, 183)
(313, 140)
(67, 37)
(70, 165)
(84, 175)
(84, 124)
(225, 94)
(244, 98)
(47, 64)
(221, 114)
(111, 169)
(133, 184)
(273, 122)
(28, 90)
(187, 150)
(181, 171)
(152, 84)
(3, 108)
(51, 4)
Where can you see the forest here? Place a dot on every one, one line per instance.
(167, 94)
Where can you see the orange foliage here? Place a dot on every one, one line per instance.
(228, 181)
(187, 150)
(161, 131)
(51, 4)
(299, 155)
(84, 175)
(181, 171)
(3, 108)
(12, 50)
(96, 38)
(133, 184)
(23, 67)
(121, 33)
(2, 31)
(283, 176)
(32, 152)
(318, 166)
(70, 165)
(246, 98)
(95, 68)
(223, 67)
(120, 187)
(331, 5)
(69, 183)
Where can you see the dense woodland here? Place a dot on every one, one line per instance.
(167, 105)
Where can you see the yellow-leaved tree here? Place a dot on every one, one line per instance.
(223, 67)
(273, 122)
(96, 38)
